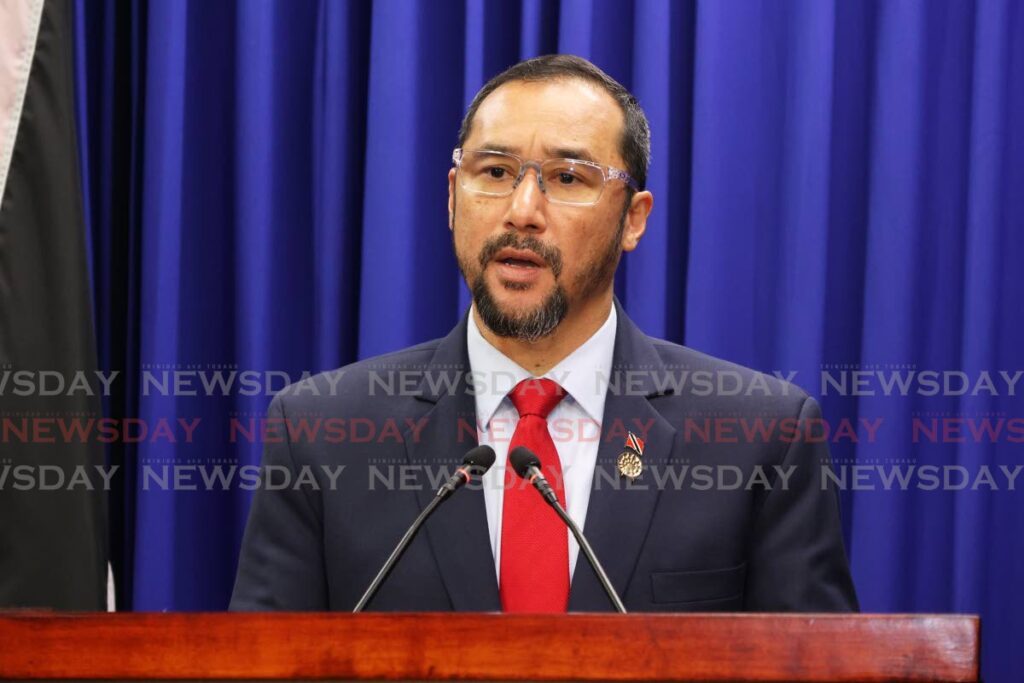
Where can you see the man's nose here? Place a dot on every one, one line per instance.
(527, 208)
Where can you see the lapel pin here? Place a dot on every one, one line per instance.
(630, 464)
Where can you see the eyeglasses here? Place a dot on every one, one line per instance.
(563, 181)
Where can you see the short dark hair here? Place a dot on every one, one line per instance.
(635, 145)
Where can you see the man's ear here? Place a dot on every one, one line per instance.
(451, 199)
(636, 219)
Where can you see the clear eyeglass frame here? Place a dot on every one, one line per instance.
(608, 173)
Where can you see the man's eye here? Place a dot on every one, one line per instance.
(566, 178)
(496, 172)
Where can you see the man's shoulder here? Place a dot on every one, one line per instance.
(389, 374)
(690, 373)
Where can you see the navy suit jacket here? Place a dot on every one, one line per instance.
(680, 546)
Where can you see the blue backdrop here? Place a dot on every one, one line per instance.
(836, 183)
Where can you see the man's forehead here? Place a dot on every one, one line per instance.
(564, 117)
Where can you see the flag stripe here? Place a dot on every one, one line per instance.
(53, 537)
(19, 29)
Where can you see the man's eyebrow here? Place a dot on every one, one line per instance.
(550, 152)
(497, 147)
(569, 153)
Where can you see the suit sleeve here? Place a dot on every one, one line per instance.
(281, 566)
(797, 561)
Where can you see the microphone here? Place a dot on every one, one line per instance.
(527, 465)
(476, 463)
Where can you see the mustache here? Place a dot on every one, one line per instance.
(550, 255)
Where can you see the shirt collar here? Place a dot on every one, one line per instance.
(495, 374)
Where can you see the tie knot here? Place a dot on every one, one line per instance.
(536, 397)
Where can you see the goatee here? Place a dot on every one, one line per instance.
(531, 325)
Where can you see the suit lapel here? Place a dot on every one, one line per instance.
(620, 512)
(457, 531)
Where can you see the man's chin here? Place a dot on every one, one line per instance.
(526, 314)
(516, 300)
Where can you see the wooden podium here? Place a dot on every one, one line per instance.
(485, 647)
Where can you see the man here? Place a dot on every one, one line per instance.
(545, 194)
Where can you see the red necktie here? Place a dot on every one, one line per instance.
(534, 544)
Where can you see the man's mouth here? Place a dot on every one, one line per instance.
(519, 258)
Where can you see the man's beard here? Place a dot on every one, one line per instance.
(531, 325)
(542, 320)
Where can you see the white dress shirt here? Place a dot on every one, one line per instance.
(574, 424)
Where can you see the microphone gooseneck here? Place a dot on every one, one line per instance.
(476, 463)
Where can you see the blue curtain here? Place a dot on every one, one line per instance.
(837, 185)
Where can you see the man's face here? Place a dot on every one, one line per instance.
(530, 262)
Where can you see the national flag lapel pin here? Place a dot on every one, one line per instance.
(630, 464)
